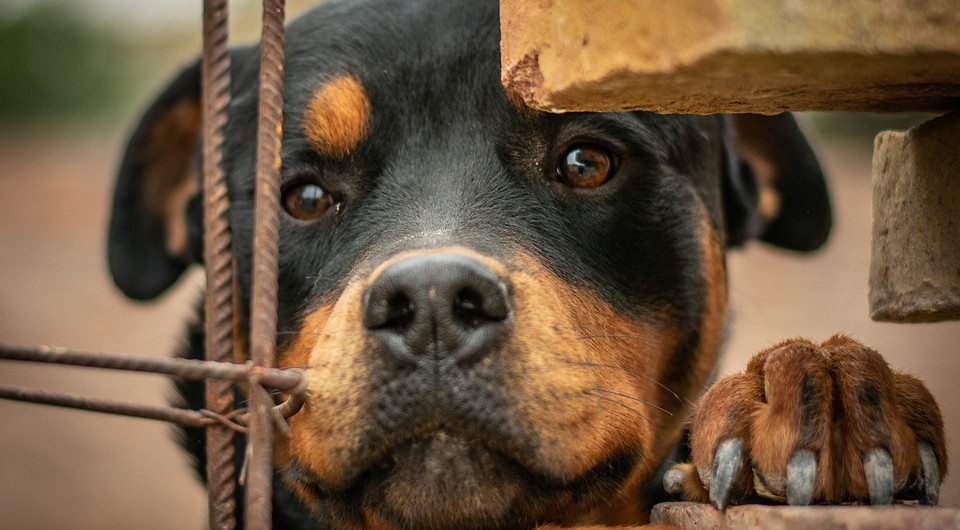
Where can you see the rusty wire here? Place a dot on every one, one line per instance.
(236, 421)
(291, 381)
(188, 418)
(287, 380)
(218, 260)
(263, 313)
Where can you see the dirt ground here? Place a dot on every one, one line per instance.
(69, 469)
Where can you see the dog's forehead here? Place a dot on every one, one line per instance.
(400, 57)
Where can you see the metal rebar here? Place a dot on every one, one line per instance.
(189, 418)
(218, 260)
(235, 421)
(283, 379)
(263, 313)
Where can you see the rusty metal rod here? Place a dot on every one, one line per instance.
(236, 421)
(284, 379)
(263, 313)
(218, 260)
(189, 418)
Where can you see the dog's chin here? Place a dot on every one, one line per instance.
(445, 481)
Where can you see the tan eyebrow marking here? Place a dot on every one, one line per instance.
(336, 118)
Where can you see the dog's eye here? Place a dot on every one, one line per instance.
(306, 201)
(586, 165)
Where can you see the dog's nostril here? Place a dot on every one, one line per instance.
(467, 308)
(472, 308)
(400, 312)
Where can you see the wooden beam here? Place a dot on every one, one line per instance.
(709, 56)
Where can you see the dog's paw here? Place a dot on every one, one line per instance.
(809, 423)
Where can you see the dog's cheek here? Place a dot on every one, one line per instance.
(714, 306)
(327, 431)
(580, 374)
(686, 368)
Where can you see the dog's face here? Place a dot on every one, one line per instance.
(503, 313)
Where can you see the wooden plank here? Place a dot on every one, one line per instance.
(707, 56)
(750, 516)
(915, 262)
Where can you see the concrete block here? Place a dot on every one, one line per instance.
(753, 516)
(707, 56)
(915, 261)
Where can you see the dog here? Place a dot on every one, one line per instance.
(507, 315)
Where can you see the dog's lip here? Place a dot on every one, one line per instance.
(436, 440)
(391, 452)
(366, 485)
(373, 465)
(444, 455)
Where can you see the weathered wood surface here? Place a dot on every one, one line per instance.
(915, 262)
(752, 516)
(707, 56)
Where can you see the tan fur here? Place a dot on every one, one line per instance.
(723, 413)
(853, 403)
(867, 426)
(787, 422)
(754, 146)
(336, 119)
(170, 175)
(922, 415)
(692, 486)
(712, 324)
(331, 345)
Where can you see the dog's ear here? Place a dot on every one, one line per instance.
(774, 188)
(155, 226)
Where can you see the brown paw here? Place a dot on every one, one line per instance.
(810, 423)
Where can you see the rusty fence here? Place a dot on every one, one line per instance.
(221, 422)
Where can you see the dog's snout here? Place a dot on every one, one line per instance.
(442, 305)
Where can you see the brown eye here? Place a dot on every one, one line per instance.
(306, 201)
(586, 166)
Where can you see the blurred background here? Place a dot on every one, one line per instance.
(74, 75)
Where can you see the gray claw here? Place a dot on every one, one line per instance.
(673, 481)
(878, 470)
(727, 464)
(801, 476)
(929, 475)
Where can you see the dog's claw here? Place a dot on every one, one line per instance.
(673, 481)
(727, 463)
(801, 477)
(878, 470)
(929, 475)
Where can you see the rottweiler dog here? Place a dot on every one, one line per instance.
(506, 315)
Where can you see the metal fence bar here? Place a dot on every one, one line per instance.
(218, 260)
(287, 380)
(263, 317)
(188, 418)
(236, 420)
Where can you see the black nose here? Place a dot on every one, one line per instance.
(444, 305)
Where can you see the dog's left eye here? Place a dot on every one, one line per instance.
(307, 201)
(586, 165)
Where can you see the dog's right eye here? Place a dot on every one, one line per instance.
(306, 201)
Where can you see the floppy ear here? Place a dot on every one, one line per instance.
(774, 188)
(155, 227)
